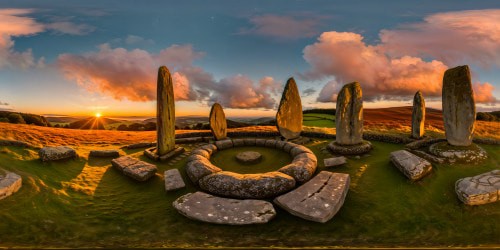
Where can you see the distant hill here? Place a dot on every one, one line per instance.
(62, 119)
(23, 118)
(92, 123)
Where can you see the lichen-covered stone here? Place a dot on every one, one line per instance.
(462, 154)
(410, 165)
(57, 153)
(218, 123)
(165, 112)
(134, 168)
(418, 116)
(302, 167)
(212, 209)
(9, 184)
(357, 149)
(247, 186)
(173, 180)
(318, 199)
(199, 168)
(248, 157)
(349, 115)
(479, 189)
(459, 109)
(289, 115)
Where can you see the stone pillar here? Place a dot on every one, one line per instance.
(218, 123)
(349, 115)
(418, 116)
(165, 112)
(289, 115)
(459, 109)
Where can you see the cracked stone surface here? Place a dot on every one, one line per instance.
(318, 199)
(212, 209)
(410, 165)
(134, 168)
(469, 154)
(173, 180)
(479, 189)
(9, 184)
(57, 153)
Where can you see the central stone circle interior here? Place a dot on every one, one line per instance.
(249, 157)
(270, 159)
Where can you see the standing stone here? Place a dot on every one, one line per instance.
(459, 110)
(418, 116)
(165, 112)
(349, 115)
(218, 123)
(289, 115)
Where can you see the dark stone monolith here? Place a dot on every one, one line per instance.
(459, 110)
(418, 116)
(165, 113)
(349, 115)
(289, 115)
(218, 123)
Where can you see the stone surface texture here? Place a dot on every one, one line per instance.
(289, 115)
(479, 189)
(410, 165)
(361, 148)
(349, 115)
(463, 154)
(335, 161)
(9, 184)
(217, 120)
(418, 116)
(318, 199)
(249, 157)
(134, 168)
(165, 112)
(104, 153)
(212, 209)
(173, 180)
(459, 109)
(57, 153)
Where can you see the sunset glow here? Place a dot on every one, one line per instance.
(97, 115)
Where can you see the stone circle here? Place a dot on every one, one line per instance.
(249, 157)
(357, 149)
(264, 185)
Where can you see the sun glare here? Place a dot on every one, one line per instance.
(97, 115)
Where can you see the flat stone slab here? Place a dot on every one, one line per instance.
(134, 168)
(152, 153)
(410, 165)
(9, 184)
(104, 153)
(212, 209)
(57, 153)
(249, 157)
(479, 189)
(318, 199)
(173, 180)
(335, 161)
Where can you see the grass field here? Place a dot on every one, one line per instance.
(87, 203)
(319, 120)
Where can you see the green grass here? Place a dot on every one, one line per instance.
(272, 159)
(87, 203)
(319, 120)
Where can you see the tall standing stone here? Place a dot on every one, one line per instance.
(289, 115)
(165, 112)
(349, 115)
(418, 116)
(218, 123)
(459, 110)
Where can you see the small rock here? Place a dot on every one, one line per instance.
(173, 180)
(9, 184)
(479, 189)
(410, 165)
(249, 157)
(335, 161)
(212, 209)
(104, 153)
(56, 153)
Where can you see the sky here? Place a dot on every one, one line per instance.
(86, 57)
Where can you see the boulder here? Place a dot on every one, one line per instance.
(318, 199)
(212, 209)
(134, 168)
(247, 186)
(56, 153)
(335, 161)
(104, 153)
(9, 184)
(248, 157)
(418, 116)
(410, 165)
(173, 180)
(165, 112)
(459, 109)
(218, 124)
(479, 189)
(289, 115)
(349, 115)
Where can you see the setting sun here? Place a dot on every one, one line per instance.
(98, 115)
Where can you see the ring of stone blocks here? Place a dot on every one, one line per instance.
(301, 169)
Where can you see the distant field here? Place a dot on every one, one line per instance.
(319, 120)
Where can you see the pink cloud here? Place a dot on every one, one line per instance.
(287, 27)
(483, 93)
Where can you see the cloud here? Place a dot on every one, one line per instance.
(308, 91)
(66, 27)
(3, 103)
(483, 93)
(130, 74)
(284, 27)
(454, 38)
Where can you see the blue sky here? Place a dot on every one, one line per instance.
(233, 45)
